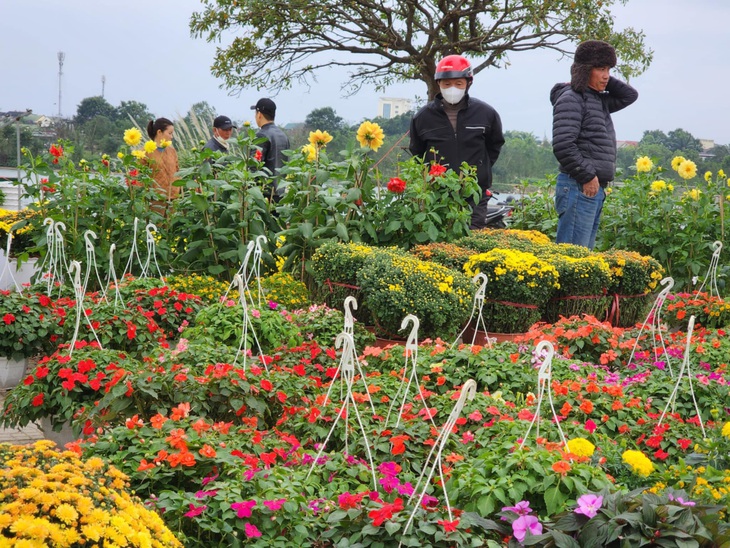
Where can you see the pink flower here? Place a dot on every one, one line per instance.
(243, 509)
(590, 426)
(274, 505)
(589, 505)
(195, 511)
(524, 524)
(522, 508)
(255, 313)
(251, 530)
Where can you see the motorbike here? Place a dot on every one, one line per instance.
(498, 214)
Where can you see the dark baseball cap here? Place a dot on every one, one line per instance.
(266, 107)
(223, 122)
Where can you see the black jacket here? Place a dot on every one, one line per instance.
(215, 146)
(477, 141)
(584, 141)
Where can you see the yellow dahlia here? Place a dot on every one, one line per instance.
(132, 136)
(150, 146)
(139, 154)
(370, 135)
(658, 186)
(581, 447)
(311, 152)
(644, 164)
(687, 169)
(676, 161)
(319, 138)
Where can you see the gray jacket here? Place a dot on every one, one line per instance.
(584, 140)
(272, 149)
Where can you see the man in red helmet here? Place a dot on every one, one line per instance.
(456, 128)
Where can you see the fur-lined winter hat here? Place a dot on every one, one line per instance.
(588, 55)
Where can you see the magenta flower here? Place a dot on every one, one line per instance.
(680, 500)
(522, 508)
(273, 305)
(251, 530)
(195, 511)
(243, 509)
(274, 505)
(429, 502)
(524, 524)
(589, 505)
(203, 494)
(389, 468)
(389, 483)
(590, 426)
(405, 489)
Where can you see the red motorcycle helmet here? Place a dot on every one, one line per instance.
(454, 66)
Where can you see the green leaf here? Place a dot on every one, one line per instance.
(554, 499)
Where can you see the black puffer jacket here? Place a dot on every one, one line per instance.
(477, 140)
(584, 141)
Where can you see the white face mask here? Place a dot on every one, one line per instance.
(453, 94)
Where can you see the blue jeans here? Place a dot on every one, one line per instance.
(578, 215)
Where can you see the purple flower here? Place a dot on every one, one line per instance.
(522, 508)
(273, 305)
(680, 500)
(388, 469)
(429, 502)
(524, 524)
(405, 489)
(588, 505)
(243, 509)
(389, 483)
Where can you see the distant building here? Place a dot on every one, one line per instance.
(622, 144)
(390, 107)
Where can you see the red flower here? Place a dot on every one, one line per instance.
(56, 151)
(436, 171)
(38, 400)
(257, 155)
(397, 185)
(386, 512)
(684, 443)
(266, 385)
(8, 318)
(131, 330)
(449, 526)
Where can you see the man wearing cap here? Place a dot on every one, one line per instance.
(584, 140)
(455, 128)
(222, 130)
(276, 140)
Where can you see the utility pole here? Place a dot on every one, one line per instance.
(61, 57)
(103, 85)
(17, 134)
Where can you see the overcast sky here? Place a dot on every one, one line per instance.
(144, 50)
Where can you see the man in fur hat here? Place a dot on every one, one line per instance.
(584, 141)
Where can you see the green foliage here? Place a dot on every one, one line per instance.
(374, 33)
(322, 324)
(675, 224)
(29, 325)
(536, 208)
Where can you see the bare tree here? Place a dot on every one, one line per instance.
(272, 43)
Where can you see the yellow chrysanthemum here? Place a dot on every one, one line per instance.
(677, 161)
(311, 152)
(721, 173)
(581, 447)
(726, 430)
(164, 143)
(150, 146)
(319, 138)
(132, 136)
(708, 176)
(687, 169)
(658, 186)
(370, 135)
(639, 463)
(644, 164)
(139, 154)
(120, 155)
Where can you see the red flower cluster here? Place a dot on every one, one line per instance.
(258, 155)
(396, 185)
